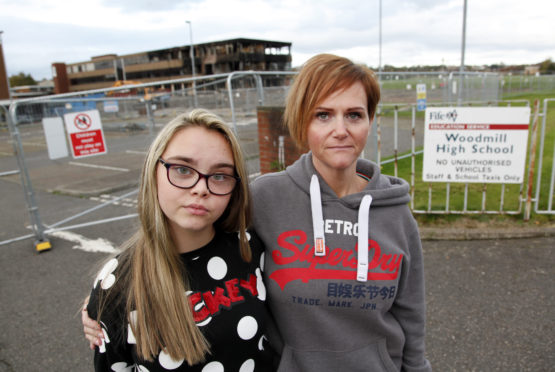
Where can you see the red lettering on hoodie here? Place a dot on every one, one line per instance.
(380, 266)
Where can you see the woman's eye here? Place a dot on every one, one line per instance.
(323, 115)
(354, 115)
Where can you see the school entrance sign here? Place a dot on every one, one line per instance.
(85, 133)
(475, 144)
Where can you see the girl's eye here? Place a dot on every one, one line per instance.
(183, 171)
(221, 177)
(322, 115)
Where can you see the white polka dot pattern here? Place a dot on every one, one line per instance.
(261, 342)
(105, 339)
(217, 268)
(133, 320)
(247, 327)
(213, 367)
(105, 276)
(262, 256)
(121, 367)
(260, 287)
(167, 362)
(248, 366)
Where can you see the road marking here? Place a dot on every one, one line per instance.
(85, 244)
(9, 173)
(135, 152)
(105, 198)
(39, 144)
(99, 166)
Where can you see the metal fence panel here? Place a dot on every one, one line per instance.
(545, 186)
(396, 137)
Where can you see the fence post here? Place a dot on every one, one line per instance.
(150, 115)
(532, 162)
(540, 158)
(41, 243)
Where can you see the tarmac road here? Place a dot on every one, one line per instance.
(490, 302)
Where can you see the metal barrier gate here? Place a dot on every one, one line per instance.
(394, 137)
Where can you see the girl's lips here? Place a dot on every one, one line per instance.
(196, 209)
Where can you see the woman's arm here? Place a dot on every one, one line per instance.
(113, 346)
(92, 330)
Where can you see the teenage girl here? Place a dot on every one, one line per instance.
(186, 293)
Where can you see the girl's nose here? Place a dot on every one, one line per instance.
(201, 187)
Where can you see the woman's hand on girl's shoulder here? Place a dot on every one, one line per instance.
(93, 332)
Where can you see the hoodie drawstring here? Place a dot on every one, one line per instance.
(318, 228)
(317, 217)
(363, 216)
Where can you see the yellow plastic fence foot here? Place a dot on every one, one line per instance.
(41, 246)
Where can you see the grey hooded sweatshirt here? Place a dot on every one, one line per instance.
(328, 317)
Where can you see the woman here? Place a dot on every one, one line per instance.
(343, 268)
(186, 292)
(345, 281)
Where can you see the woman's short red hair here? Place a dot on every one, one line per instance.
(318, 78)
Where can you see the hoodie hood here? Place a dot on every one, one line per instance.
(387, 191)
(384, 190)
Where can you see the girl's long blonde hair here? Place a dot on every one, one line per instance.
(153, 281)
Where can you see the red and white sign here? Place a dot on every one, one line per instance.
(475, 144)
(85, 133)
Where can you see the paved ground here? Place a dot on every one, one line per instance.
(490, 302)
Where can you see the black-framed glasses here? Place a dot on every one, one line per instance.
(185, 177)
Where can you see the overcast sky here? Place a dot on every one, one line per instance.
(414, 32)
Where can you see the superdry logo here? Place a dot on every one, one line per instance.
(380, 266)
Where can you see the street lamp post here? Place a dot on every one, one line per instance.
(192, 55)
(380, 42)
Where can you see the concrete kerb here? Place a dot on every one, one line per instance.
(72, 191)
(433, 233)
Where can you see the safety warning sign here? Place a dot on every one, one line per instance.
(85, 133)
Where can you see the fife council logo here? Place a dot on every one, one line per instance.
(441, 116)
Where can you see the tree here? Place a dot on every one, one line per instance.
(547, 67)
(22, 79)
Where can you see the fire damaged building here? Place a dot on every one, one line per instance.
(172, 63)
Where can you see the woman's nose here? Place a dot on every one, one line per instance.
(340, 126)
